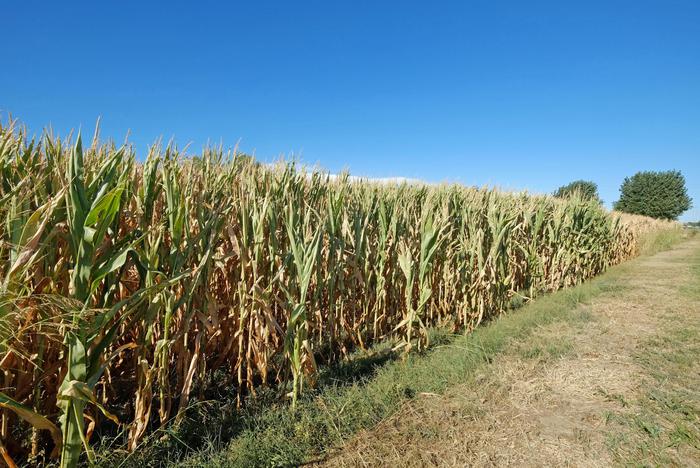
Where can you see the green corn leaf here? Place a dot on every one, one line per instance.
(76, 390)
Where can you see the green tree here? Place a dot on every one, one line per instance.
(656, 194)
(585, 188)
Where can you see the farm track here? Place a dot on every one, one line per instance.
(621, 387)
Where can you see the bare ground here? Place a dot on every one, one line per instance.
(620, 388)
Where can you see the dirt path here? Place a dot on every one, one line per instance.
(621, 387)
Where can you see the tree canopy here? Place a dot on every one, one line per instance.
(656, 194)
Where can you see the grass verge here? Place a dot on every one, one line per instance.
(658, 241)
(663, 426)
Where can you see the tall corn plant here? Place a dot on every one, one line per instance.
(302, 263)
(418, 278)
(93, 210)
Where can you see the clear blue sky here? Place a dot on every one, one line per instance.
(515, 94)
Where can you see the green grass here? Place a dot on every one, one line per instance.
(658, 241)
(666, 420)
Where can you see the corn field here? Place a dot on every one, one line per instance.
(125, 281)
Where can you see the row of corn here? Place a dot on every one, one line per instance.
(123, 283)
